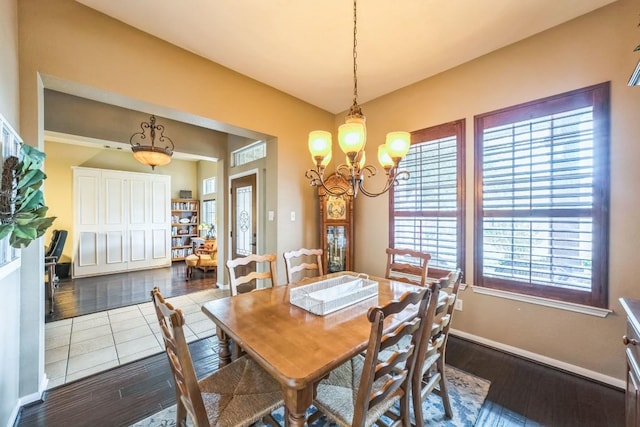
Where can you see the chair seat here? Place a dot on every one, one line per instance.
(338, 393)
(239, 394)
(205, 261)
(201, 261)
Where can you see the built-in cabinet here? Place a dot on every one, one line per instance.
(185, 218)
(121, 221)
(631, 340)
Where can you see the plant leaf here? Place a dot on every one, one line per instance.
(32, 177)
(5, 229)
(42, 224)
(33, 153)
(25, 232)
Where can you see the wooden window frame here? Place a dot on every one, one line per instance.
(598, 96)
(455, 128)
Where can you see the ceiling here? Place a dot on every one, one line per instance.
(304, 47)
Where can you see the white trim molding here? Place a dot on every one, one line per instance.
(544, 360)
(561, 305)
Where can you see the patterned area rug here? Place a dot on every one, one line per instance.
(467, 393)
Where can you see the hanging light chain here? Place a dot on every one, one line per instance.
(355, 53)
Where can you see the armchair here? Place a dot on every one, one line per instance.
(204, 257)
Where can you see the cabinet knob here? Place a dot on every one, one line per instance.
(627, 341)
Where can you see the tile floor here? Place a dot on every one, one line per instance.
(84, 345)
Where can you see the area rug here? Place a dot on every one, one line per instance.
(466, 392)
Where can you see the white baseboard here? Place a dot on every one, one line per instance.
(25, 400)
(12, 417)
(34, 397)
(596, 376)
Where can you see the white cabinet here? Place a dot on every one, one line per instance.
(121, 222)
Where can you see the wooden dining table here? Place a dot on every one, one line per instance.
(296, 347)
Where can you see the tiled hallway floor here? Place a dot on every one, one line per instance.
(84, 345)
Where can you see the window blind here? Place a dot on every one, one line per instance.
(425, 208)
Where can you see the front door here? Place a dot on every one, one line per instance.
(243, 219)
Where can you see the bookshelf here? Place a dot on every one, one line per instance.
(185, 218)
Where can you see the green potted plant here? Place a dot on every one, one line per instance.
(22, 209)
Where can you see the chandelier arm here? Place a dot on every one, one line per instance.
(393, 179)
(369, 171)
(160, 128)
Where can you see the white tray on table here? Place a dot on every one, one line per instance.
(329, 295)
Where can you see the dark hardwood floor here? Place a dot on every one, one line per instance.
(522, 393)
(75, 297)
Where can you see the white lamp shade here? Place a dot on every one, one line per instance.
(151, 156)
(319, 143)
(398, 144)
(351, 137)
(383, 157)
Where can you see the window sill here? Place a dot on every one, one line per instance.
(561, 305)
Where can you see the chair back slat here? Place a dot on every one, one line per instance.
(188, 393)
(309, 263)
(402, 262)
(398, 367)
(247, 281)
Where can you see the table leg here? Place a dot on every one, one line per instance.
(296, 403)
(224, 353)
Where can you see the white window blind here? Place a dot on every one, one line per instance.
(541, 221)
(542, 168)
(426, 209)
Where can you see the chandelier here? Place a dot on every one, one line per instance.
(352, 137)
(151, 155)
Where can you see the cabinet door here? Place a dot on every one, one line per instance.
(632, 395)
(114, 222)
(138, 212)
(159, 220)
(88, 228)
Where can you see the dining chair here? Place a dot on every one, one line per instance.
(238, 394)
(451, 282)
(406, 262)
(303, 263)
(244, 274)
(377, 385)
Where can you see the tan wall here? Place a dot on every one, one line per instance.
(9, 54)
(591, 49)
(58, 192)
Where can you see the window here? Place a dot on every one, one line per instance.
(209, 213)
(542, 197)
(209, 185)
(255, 151)
(427, 211)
